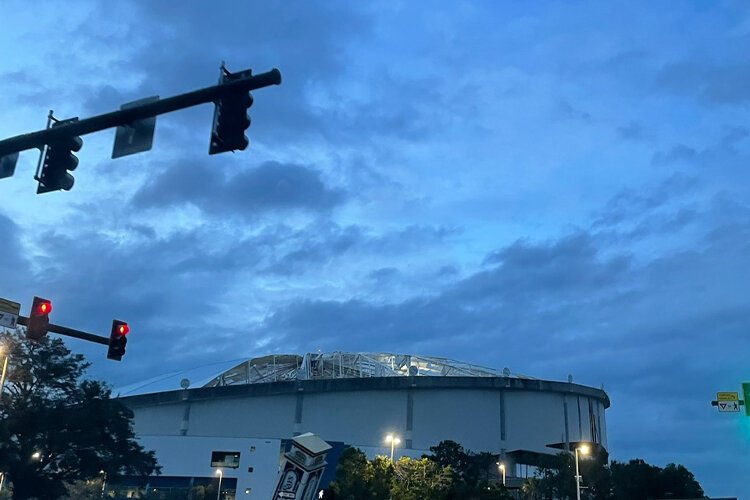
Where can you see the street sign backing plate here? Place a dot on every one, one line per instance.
(8, 165)
(138, 136)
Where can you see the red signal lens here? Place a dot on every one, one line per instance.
(44, 308)
(123, 329)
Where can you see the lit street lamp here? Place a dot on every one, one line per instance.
(583, 450)
(501, 466)
(104, 481)
(221, 475)
(2, 378)
(393, 441)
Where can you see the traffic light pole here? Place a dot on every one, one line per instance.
(70, 332)
(126, 116)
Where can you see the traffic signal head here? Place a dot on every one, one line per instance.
(58, 160)
(231, 119)
(38, 319)
(118, 340)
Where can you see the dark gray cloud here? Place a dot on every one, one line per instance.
(248, 193)
(632, 131)
(713, 155)
(15, 260)
(717, 83)
(631, 205)
(323, 242)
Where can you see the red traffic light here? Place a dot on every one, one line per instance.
(123, 329)
(38, 319)
(42, 307)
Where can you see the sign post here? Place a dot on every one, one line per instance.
(302, 468)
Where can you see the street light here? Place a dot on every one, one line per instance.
(5, 370)
(583, 450)
(36, 455)
(221, 475)
(393, 441)
(104, 481)
(501, 466)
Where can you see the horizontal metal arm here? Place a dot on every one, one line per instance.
(70, 332)
(125, 116)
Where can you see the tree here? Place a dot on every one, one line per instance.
(358, 478)
(418, 479)
(675, 481)
(56, 427)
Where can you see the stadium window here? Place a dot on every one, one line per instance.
(229, 459)
(250, 469)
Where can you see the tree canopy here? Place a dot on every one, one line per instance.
(451, 472)
(56, 427)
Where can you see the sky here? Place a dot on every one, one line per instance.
(554, 187)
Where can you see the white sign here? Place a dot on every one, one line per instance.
(9, 312)
(729, 406)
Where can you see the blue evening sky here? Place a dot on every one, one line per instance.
(556, 187)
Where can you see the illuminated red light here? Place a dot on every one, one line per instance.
(44, 308)
(123, 329)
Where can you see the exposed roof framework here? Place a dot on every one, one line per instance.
(311, 366)
(334, 365)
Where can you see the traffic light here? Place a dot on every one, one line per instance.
(746, 397)
(118, 340)
(58, 160)
(231, 118)
(38, 319)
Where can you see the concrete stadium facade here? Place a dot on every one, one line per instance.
(358, 398)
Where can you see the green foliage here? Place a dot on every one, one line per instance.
(616, 481)
(358, 478)
(72, 425)
(417, 479)
(452, 473)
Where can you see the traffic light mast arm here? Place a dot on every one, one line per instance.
(125, 116)
(70, 332)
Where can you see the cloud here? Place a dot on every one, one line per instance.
(271, 186)
(713, 155)
(632, 131)
(714, 83)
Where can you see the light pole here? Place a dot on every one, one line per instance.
(501, 467)
(104, 481)
(393, 441)
(584, 450)
(221, 475)
(2, 378)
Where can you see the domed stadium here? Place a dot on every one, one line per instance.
(243, 412)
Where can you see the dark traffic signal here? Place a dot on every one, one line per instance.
(38, 319)
(230, 117)
(118, 340)
(58, 160)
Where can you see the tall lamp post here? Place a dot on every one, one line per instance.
(104, 481)
(393, 441)
(2, 378)
(583, 450)
(221, 475)
(501, 467)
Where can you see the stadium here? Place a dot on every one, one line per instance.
(240, 415)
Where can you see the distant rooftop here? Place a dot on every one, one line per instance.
(311, 366)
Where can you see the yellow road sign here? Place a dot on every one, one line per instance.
(727, 396)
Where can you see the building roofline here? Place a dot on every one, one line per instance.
(363, 384)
